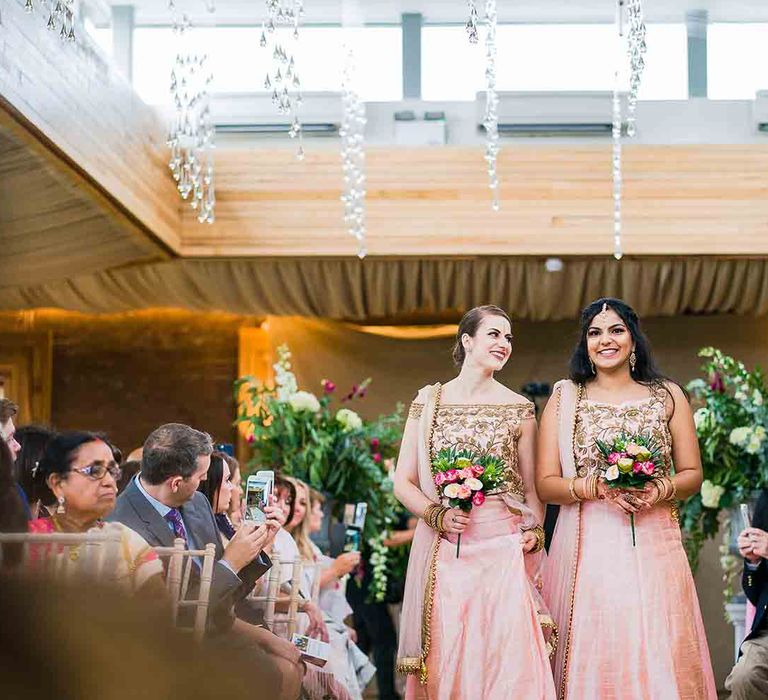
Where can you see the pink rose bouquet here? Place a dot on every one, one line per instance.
(464, 478)
(631, 461)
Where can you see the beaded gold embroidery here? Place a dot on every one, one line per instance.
(415, 410)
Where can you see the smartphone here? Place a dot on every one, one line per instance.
(354, 515)
(352, 540)
(258, 489)
(745, 517)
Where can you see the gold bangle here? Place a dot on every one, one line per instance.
(440, 518)
(673, 494)
(572, 490)
(590, 487)
(539, 532)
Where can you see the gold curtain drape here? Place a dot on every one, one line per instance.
(402, 289)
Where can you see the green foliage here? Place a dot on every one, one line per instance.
(731, 425)
(331, 448)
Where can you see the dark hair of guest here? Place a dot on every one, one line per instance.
(33, 440)
(211, 486)
(469, 324)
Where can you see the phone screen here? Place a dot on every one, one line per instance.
(255, 501)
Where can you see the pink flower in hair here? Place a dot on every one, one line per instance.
(614, 457)
(464, 492)
(477, 469)
(451, 475)
(478, 498)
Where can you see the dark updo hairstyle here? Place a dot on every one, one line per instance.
(33, 440)
(58, 457)
(645, 371)
(469, 324)
(212, 484)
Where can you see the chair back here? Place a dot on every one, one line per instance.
(91, 555)
(178, 573)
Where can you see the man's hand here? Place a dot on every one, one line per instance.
(317, 627)
(753, 544)
(246, 545)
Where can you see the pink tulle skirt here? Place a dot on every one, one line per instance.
(637, 632)
(486, 641)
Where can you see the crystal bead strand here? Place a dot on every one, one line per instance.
(491, 118)
(352, 134)
(637, 49)
(61, 16)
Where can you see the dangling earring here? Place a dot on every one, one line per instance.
(592, 365)
(632, 361)
(61, 509)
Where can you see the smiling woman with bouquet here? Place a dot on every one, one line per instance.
(617, 448)
(473, 625)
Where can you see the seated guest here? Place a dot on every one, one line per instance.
(80, 471)
(235, 510)
(162, 503)
(13, 516)
(749, 678)
(8, 410)
(129, 469)
(33, 439)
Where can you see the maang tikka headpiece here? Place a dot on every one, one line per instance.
(604, 309)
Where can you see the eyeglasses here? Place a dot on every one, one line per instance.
(98, 470)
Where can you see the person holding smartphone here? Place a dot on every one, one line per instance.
(749, 678)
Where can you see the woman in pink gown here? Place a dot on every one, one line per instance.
(628, 614)
(474, 627)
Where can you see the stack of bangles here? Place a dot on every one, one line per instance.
(433, 516)
(666, 489)
(539, 532)
(590, 488)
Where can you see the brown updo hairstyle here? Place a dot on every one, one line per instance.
(469, 323)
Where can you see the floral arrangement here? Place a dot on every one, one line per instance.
(464, 478)
(332, 448)
(631, 462)
(731, 422)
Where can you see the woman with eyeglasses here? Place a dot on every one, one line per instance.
(77, 477)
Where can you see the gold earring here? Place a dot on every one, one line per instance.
(61, 509)
(632, 361)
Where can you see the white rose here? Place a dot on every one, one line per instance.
(612, 473)
(711, 494)
(349, 419)
(740, 395)
(739, 436)
(757, 398)
(759, 432)
(304, 401)
(753, 446)
(451, 491)
(474, 484)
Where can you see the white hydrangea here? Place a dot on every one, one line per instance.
(304, 401)
(349, 419)
(711, 494)
(740, 436)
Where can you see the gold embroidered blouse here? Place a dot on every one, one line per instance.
(484, 428)
(603, 421)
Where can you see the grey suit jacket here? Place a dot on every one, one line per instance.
(137, 513)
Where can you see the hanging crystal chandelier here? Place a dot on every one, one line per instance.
(471, 26)
(636, 49)
(283, 78)
(61, 16)
(352, 134)
(191, 133)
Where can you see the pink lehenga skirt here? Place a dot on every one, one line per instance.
(629, 617)
(486, 636)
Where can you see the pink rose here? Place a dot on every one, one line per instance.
(478, 498)
(466, 473)
(328, 386)
(451, 475)
(648, 468)
(477, 469)
(439, 479)
(637, 467)
(614, 457)
(375, 442)
(250, 439)
(464, 492)
(377, 458)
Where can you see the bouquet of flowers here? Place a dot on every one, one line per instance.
(464, 478)
(631, 462)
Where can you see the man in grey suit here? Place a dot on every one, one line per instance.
(162, 503)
